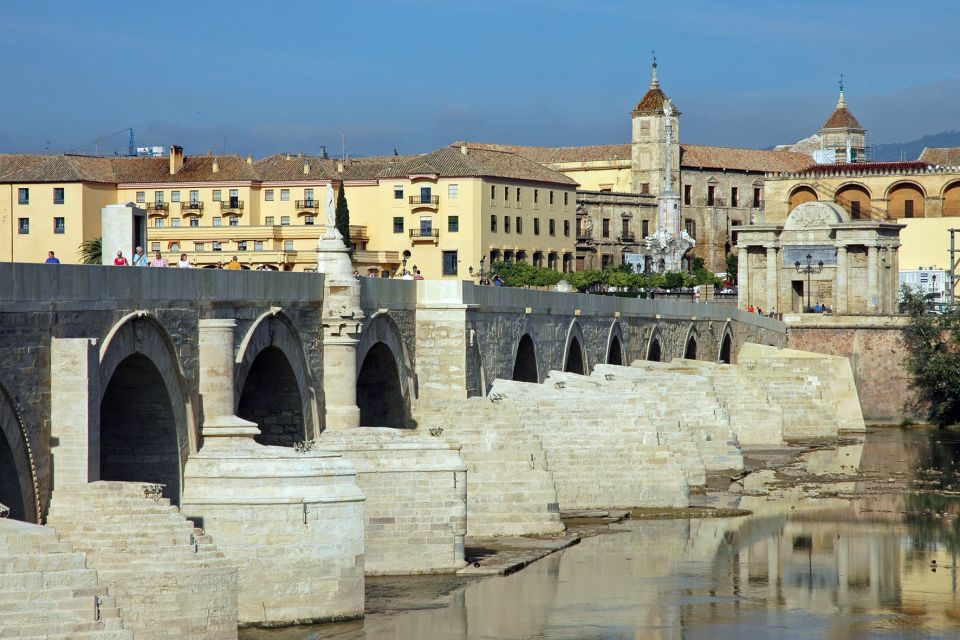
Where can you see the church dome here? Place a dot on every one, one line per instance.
(653, 101)
(841, 118)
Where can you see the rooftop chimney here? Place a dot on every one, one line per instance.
(176, 158)
(306, 168)
(249, 159)
(216, 165)
(339, 166)
(463, 149)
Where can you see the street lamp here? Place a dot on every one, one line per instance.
(808, 270)
(478, 274)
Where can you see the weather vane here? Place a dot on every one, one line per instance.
(654, 53)
(841, 83)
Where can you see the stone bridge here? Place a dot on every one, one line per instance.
(118, 350)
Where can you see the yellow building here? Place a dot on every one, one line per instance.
(445, 211)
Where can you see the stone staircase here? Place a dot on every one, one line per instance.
(169, 579)
(602, 456)
(510, 487)
(48, 591)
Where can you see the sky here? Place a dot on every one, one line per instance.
(266, 77)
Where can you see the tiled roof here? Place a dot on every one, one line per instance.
(880, 167)
(841, 118)
(548, 155)
(54, 168)
(695, 155)
(653, 102)
(479, 161)
(286, 167)
(943, 156)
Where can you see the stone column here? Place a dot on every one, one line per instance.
(873, 294)
(743, 279)
(443, 340)
(342, 319)
(74, 412)
(217, 390)
(841, 288)
(895, 278)
(773, 288)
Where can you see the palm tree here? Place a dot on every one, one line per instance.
(91, 251)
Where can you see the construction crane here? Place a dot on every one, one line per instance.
(131, 145)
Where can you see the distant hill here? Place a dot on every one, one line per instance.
(911, 150)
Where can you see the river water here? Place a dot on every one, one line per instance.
(854, 540)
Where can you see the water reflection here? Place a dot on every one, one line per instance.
(812, 562)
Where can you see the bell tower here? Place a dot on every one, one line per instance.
(649, 155)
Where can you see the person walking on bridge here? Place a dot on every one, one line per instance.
(140, 258)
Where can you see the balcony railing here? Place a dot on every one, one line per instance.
(424, 234)
(584, 236)
(428, 200)
(195, 208)
(231, 204)
(716, 201)
(308, 204)
(157, 208)
(628, 236)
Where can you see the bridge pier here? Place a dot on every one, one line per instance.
(342, 319)
(291, 521)
(74, 411)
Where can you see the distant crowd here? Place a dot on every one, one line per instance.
(141, 259)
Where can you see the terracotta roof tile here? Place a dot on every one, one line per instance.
(841, 118)
(943, 156)
(843, 167)
(695, 155)
(286, 167)
(653, 101)
(549, 155)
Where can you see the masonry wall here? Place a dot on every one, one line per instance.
(874, 345)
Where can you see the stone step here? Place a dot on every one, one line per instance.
(35, 580)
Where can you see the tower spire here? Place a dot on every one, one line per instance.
(654, 82)
(842, 102)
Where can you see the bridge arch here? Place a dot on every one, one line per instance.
(273, 382)
(525, 365)
(18, 475)
(691, 344)
(725, 352)
(574, 353)
(615, 349)
(654, 351)
(147, 425)
(385, 380)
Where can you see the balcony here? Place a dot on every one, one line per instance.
(627, 237)
(424, 235)
(313, 205)
(716, 201)
(584, 235)
(158, 209)
(191, 208)
(231, 205)
(429, 201)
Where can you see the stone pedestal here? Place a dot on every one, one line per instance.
(292, 522)
(74, 411)
(416, 488)
(342, 321)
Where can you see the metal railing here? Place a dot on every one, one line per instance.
(191, 206)
(308, 204)
(231, 204)
(158, 206)
(424, 233)
(627, 236)
(422, 200)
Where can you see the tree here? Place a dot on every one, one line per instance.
(933, 358)
(732, 268)
(91, 251)
(343, 217)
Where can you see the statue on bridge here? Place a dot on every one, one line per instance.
(333, 257)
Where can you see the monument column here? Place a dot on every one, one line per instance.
(773, 288)
(743, 281)
(873, 267)
(895, 277)
(217, 390)
(841, 294)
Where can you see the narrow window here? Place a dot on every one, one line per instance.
(566, 228)
(734, 197)
(686, 193)
(756, 197)
(493, 224)
(23, 226)
(174, 196)
(158, 223)
(233, 221)
(551, 197)
(217, 195)
(644, 187)
(908, 208)
(154, 246)
(398, 192)
(268, 195)
(198, 246)
(288, 245)
(536, 196)
(606, 228)
(217, 221)
(23, 195)
(194, 196)
(453, 224)
(552, 226)
(268, 220)
(493, 192)
(241, 245)
(141, 197)
(645, 228)
(710, 190)
(690, 226)
(536, 226)
(158, 197)
(519, 224)
(285, 195)
(175, 222)
(398, 224)
(258, 245)
(449, 263)
(453, 190)
(308, 197)
(855, 209)
(506, 224)
(518, 194)
(194, 222)
(217, 246)
(285, 221)
(309, 220)
(58, 225)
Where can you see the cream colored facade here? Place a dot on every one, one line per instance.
(924, 197)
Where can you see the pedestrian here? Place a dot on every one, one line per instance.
(121, 261)
(234, 264)
(51, 258)
(140, 258)
(816, 308)
(759, 311)
(159, 260)
(750, 309)
(418, 276)
(219, 264)
(184, 263)
(497, 281)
